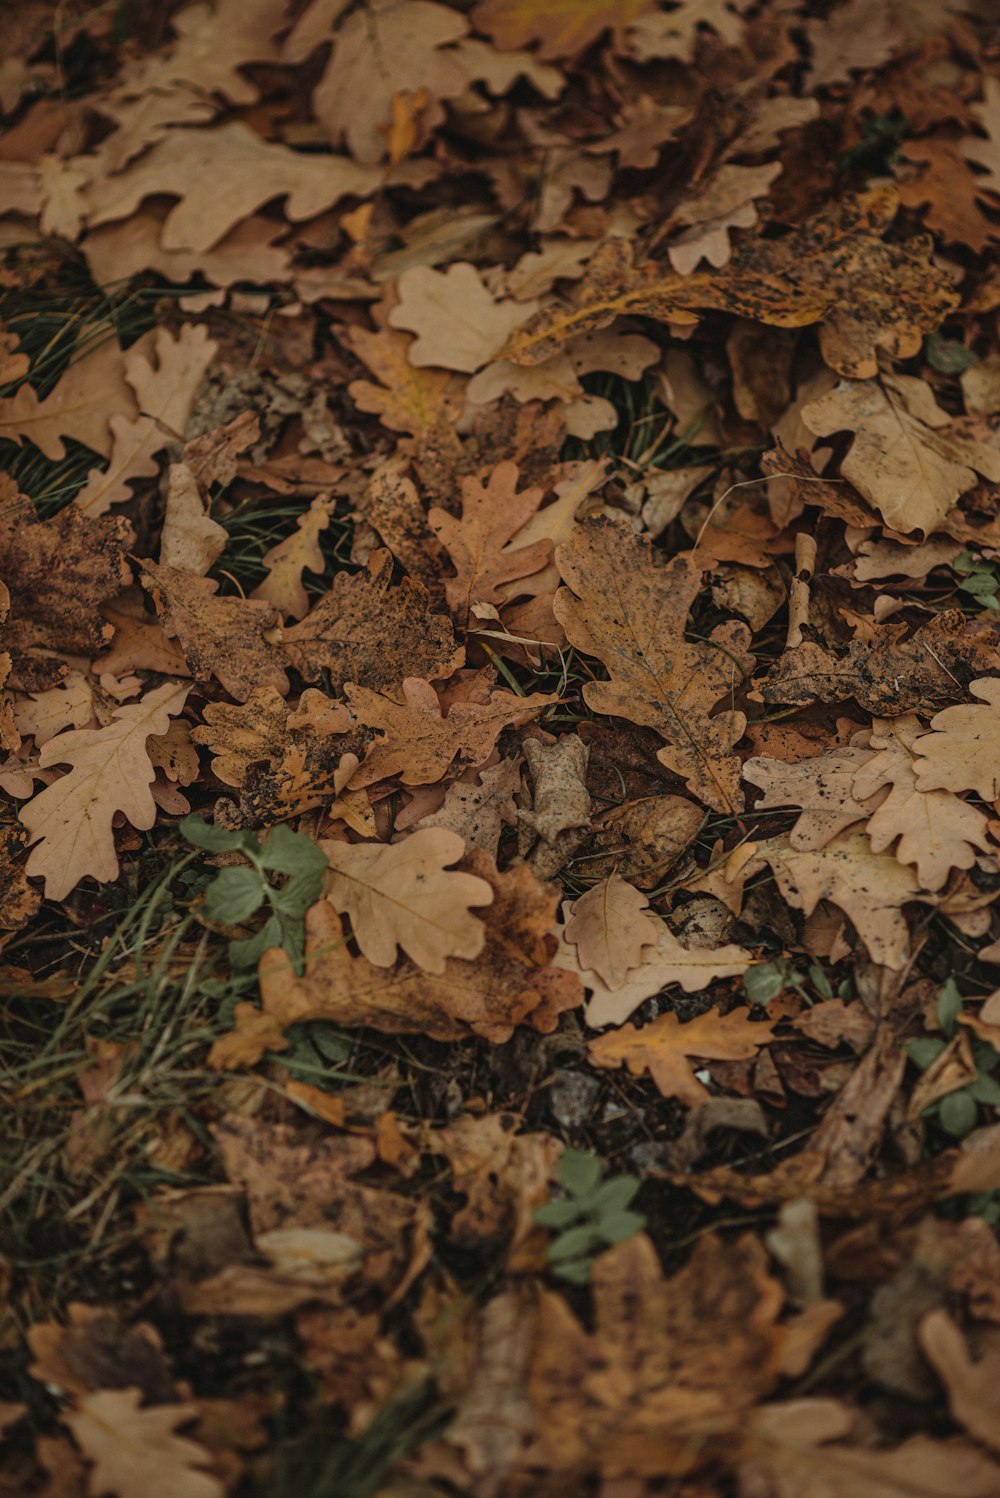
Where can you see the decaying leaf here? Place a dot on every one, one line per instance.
(667, 1047)
(609, 930)
(300, 552)
(619, 607)
(492, 513)
(962, 752)
(137, 1451)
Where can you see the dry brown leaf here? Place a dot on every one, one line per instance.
(228, 638)
(222, 175)
(19, 900)
(459, 324)
(135, 1452)
(986, 153)
(403, 895)
(491, 515)
(948, 191)
(71, 820)
(904, 459)
(562, 28)
(936, 831)
(661, 964)
(478, 813)
(973, 1385)
(420, 744)
(823, 786)
(869, 887)
(666, 1048)
(409, 399)
(642, 839)
(609, 930)
(560, 801)
(367, 632)
(723, 202)
(632, 616)
(675, 33)
(297, 553)
(511, 982)
(962, 751)
(835, 270)
(190, 539)
(82, 405)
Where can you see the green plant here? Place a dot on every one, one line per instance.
(766, 980)
(978, 578)
(593, 1214)
(239, 890)
(958, 1112)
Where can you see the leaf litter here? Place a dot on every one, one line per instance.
(499, 660)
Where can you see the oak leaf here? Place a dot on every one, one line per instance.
(936, 831)
(836, 270)
(222, 175)
(367, 632)
(778, 1457)
(869, 887)
(675, 33)
(419, 744)
(70, 821)
(136, 1451)
(492, 514)
(947, 190)
(609, 930)
(511, 982)
(286, 561)
(458, 322)
(81, 405)
(561, 28)
(664, 962)
(666, 1048)
(632, 617)
(165, 387)
(962, 750)
(228, 638)
(904, 459)
(403, 895)
(478, 813)
(409, 399)
(60, 572)
(986, 153)
(823, 786)
(973, 1386)
(190, 539)
(724, 201)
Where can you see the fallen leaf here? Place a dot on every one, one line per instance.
(478, 813)
(288, 559)
(822, 786)
(409, 399)
(420, 744)
(136, 1451)
(632, 617)
(70, 820)
(459, 324)
(665, 1048)
(962, 750)
(609, 930)
(563, 29)
(491, 515)
(903, 459)
(986, 153)
(81, 406)
(190, 539)
(403, 895)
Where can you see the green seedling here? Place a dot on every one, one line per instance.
(978, 578)
(958, 1113)
(766, 980)
(239, 891)
(592, 1215)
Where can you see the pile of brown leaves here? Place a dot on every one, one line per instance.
(625, 377)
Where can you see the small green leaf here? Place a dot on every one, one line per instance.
(958, 1113)
(923, 1052)
(576, 1271)
(610, 1196)
(234, 895)
(288, 852)
(985, 1089)
(765, 981)
(622, 1225)
(247, 951)
(556, 1214)
(820, 981)
(949, 1007)
(947, 355)
(202, 834)
(573, 1243)
(579, 1171)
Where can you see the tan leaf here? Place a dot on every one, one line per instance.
(491, 515)
(788, 1462)
(661, 964)
(368, 632)
(674, 33)
(869, 887)
(71, 820)
(509, 983)
(419, 744)
(632, 616)
(665, 1048)
(835, 270)
(947, 190)
(722, 202)
(403, 895)
(227, 638)
(136, 1452)
(973, 1386)
(936, 831)
(91, 393)
(986, 153)
(962, 752)
(609, 930)
(478, 812)
(459, 324)
(222, 175)
(823, 786)
(297, 553)
(642, 839)
(904, 460)
(165, 391)
(409, 399)
(561, 28)
(190, 539)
